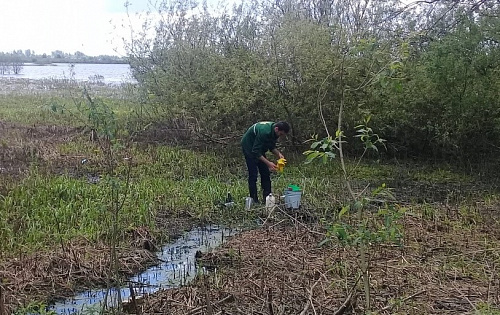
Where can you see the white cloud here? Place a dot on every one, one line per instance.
(49, 25)
(94, 27)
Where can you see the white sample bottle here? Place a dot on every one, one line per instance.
(270, 203)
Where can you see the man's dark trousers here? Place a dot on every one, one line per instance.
(256, 166)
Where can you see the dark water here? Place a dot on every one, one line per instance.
(106, 73)
(177, 268)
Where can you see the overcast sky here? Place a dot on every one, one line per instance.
(93, 27)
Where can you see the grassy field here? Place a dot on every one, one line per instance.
(64, 190)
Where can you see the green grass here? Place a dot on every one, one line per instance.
(46, 208)
(57, 107)
(440, 175)
(43, 209)
(26, 109)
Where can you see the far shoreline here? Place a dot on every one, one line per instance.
(57, 63)
(54, 62)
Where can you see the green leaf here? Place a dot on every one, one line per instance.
(312, 156)
(330, 155)
(358, 205)
(383, 211)
(340, 232)
(343, 211)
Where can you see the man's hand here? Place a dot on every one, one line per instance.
(272, 166)
(278, 154)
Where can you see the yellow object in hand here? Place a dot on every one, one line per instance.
(280, 165)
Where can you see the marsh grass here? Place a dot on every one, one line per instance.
(46, 207)
(54, 102)
(63, 193)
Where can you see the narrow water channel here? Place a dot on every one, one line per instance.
(177, 268)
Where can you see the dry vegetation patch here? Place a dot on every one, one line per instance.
(442, 268)
(15, 137)
(21, 146)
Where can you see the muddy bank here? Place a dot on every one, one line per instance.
(62, 272)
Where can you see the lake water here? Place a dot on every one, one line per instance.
(105, 73)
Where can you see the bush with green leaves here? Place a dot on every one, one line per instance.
(427, 72)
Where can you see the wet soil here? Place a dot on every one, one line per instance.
(81, 265)
(446, 264)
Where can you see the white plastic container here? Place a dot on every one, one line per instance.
(248, 203)
(270, 203)
(292, 199)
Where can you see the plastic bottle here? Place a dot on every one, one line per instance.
(270, 203)
(248, 203)
(229, 200)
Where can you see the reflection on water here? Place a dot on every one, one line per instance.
(107, 73)
(177, 268)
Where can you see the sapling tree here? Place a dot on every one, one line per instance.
(104, 125)
(366, 230)
(108, 135)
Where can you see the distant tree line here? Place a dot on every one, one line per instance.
(427, 72)
(13, 61)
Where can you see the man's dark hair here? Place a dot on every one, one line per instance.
(283, 126)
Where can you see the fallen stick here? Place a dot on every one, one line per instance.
(198, 309)
(347, 301)
(2, 304)
(309, 301)
(270, 301)
(466, 298)
(300, 223)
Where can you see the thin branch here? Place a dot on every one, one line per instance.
(389, 307)
(347, 301)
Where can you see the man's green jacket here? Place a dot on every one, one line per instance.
(259, 139)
